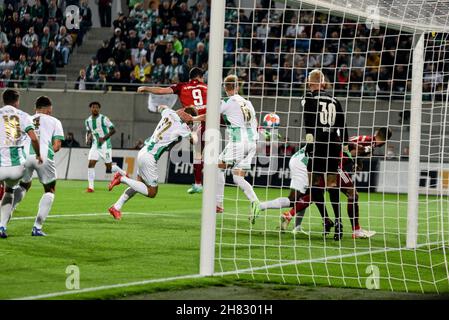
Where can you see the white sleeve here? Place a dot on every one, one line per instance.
(25, 122)
(108, 123)
(223, 106)
(59, 132)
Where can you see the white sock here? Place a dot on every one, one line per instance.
(91, 177)
(220, 187)
(278, 203)
(128, 194)
(44, 209)
(6, 208)
(19, 194)
(246, 187)
(138, 186)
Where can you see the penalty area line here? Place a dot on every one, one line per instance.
(218, 274)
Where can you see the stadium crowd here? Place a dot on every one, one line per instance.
(271, 49)
(34, 40)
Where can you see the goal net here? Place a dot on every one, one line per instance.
(387, 63)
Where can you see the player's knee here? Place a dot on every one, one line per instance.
(152, 192)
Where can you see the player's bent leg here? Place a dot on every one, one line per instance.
(220, 190)
(114, 210)
(238, 176)
(20, 192)
(11, 177)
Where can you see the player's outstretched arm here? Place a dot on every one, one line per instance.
(155, 90)
(35, 144)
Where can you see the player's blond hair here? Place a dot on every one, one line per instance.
(231, 82)
(316, 77)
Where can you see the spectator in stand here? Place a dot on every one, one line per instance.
(27, 40)
(191, 41)
(166, 11)
(64, 44)
(147, 38)
(126, 68)
(117, 79)
(7, 64)
(175, 71)
(104, 53)
(3, 37)
(158, 74)
(17, 49)
(19, 67)
(80, 83)
(116, 39)
(105, 12)
(54, 12)
(183, 15)
(137, 13)
(49, 63)
(24, 9)
(86, 21)
(45, 38)
(200, 55)
(132, 41)
(38, 10)
(109, 68)
(70, 141)
(121, 53)
(101, 83)
(141, 69)
(34, 51)
(151, 53)
(138, 53)
(6, 79)
(177, 44)
(53, 25)
(142, 26)
(39, 26)
(93, 70)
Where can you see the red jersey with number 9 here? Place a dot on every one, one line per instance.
(192, 94)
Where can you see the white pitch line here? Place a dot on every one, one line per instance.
(97, 214)
(196, 276)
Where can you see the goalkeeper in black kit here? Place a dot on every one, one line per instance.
(326, 132)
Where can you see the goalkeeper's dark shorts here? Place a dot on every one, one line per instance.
(326, 158)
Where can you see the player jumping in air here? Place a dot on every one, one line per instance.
(241, 126)
(324, 122)
(191, 94)
(15, 125)
(171, 129)
(50, 133)
(99, 131)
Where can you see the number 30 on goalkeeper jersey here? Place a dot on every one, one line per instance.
(14, 124)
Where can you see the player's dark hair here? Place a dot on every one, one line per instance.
(10, 96)
(95, 103)
(191, 111)
(196, 73)
(42, 102)
(385, 133)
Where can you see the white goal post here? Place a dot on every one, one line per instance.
(421, 241)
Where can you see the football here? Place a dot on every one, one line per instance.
(271, 120)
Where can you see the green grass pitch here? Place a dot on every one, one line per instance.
(160, 238)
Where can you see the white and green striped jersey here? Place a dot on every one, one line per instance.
(302, 155)
(170, 130)
(14, 124)
(99, 127)
(48, 129)
(240, 118)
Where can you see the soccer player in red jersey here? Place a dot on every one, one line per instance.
(191, 94)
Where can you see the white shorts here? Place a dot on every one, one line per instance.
(238, 155)
(147, 168)
(11, 175)
(299, 175)
(104, 153)
(45, 171)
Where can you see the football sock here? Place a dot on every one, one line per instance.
(334, 195)
(6, 208)
(91, 177)
(353, 212)
(220, 187)
(138, 186)
(198, 173)
(128, 194)
(301, 204)
(44, 209)
(19, 194)
(246, 187)
(299, 217)
(278, 203)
